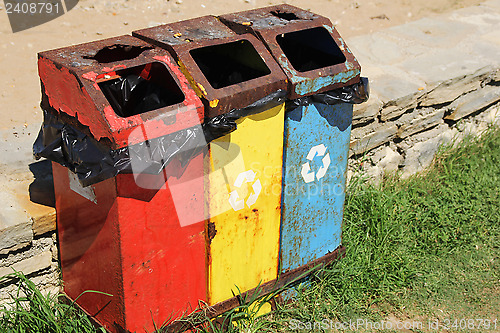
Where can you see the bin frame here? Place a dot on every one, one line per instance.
(180, 38)
(70, 84)
(101, 237)
(348, 73)
(266, 26)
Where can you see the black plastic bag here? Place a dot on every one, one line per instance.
(93, 162)
(223, 124)
(132, 94)
(354, 94)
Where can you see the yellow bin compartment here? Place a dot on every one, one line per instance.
(244, 205)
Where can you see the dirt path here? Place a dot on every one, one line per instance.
(97, 19)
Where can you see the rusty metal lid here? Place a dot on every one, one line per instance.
(228, 71)
(94, 85)
(306, 45)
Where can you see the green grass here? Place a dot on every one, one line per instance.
(29, 311)
(426, 248)
(418, 250)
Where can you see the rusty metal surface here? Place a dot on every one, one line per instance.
(181, 38)
(207, 29)
(270, 22)
(315, 167)
(285, 279)
(70, 80)
(244, 202)
(121, 239)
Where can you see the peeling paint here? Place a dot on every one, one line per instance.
(245, 251)
(307, 86)
(209, 31)
(300, 83)
(90, 76)
(190, 79)
(211, 231)
(114, 68)
(202, 89)
(64, 94)
(191, 99)
(76, 92)
(312, 212)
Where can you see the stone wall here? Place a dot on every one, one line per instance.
(404, 136)
(37, 259)
(432, 81)
(27, 229)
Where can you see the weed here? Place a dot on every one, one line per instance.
(30, 311)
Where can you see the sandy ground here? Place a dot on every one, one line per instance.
(94, 19)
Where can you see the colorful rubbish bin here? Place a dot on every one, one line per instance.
(236, 77)
(316, 61)
(118, 234)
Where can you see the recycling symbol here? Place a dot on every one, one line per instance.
(306, 172)
(247, 177)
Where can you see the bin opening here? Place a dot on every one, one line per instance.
(284, 15)
(141, 89)
(227, 64)
(310, 49)
(117, 52)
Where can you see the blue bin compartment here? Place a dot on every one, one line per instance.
(317, 62)
(315, 162)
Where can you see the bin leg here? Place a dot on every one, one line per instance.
(245, 204)
(315, 159)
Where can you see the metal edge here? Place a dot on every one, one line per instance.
(264, 289)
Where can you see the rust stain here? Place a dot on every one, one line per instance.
(270, 22)
(142, 268)
(200, 32)
(192, 239)
(190, 79)
(287, 278)
(211, 231)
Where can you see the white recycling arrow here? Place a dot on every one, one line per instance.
(322, 171)
(234, 202)
(257, 187)
(319, 149)
(306, 173)
(247, 176)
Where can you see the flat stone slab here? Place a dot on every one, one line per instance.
(418, 121)
(473, 102)
(371, 136)
(20, 218)
(31, 265)
(404, 63)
